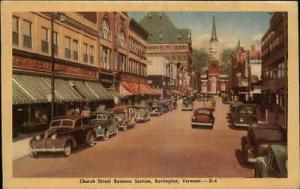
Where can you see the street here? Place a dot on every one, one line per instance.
(166, 146)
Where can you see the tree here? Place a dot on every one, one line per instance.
(226, 57)
(200, 60)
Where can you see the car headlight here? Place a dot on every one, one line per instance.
(99, 127)
(38, 137)
(54, 137)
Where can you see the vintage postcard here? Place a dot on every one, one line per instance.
(150, 94)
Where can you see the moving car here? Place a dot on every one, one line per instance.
(203, 117)
(156, 108)
(244, 115)
(187, 104)
(142, 113)
(259, 138)
(104, 124)
(64, 134)
(125, 116)
(274, 164)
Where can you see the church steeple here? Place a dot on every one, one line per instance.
(214, 31)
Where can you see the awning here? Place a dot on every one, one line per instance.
(133, 88)
(84, 90)
(19, 96)
(114, 93)
(99, 90)
(148, 90)
(39, 90)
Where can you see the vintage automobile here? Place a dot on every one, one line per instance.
(166, 105)
(259, 138)
(187, 104)
(156, 108)
(142, 113)
(203, 117)
(244, 115)
(226, 99)
(64, 134)
(274, 164)
(104, 124)
(125, 116)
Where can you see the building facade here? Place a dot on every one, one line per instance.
(274, 68)
(171, 43)
(76, 65)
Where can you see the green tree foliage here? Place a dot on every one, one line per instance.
(227, 56)
(200, 60)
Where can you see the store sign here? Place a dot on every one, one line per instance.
(39, 65)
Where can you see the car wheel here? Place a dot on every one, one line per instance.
(91, 139)
(67, 149)
(34, 155)
(106, 135)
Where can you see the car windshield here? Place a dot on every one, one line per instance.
(62, 123)
(186, 101)
(247, 110)
(101, 117)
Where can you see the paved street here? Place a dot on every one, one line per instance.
(166, 146)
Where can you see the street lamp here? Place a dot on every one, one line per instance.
(60, 17)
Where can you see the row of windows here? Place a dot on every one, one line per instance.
(136, 47)
(70, 45)
(275, 73)
(168, 47)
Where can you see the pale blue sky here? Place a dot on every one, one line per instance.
(231, 26)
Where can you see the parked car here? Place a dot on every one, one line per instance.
(274, 164)
(156, 108)
(203, 117)
(259, 138)
(104, 124)
(125, 116)
(64, 134)
(142, 113)
(244, 115)
(187, 104)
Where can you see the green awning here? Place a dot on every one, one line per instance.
(19, 96)
(115, 93)
(84, 90)
(39, 89)
(99, 90)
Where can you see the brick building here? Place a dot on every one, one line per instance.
(175, 45)
(274, 68)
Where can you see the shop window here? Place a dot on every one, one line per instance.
(15, 30)
(27, 34)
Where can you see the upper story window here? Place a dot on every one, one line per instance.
(45, 40)
(85, 52)
(27, 34)
(75, 49)
(55, 42)
(105, 30)
(91, 54)
(121, 39)
(15, 30)
(67, 47)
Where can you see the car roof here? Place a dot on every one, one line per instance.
(70, 117)
(203, 110)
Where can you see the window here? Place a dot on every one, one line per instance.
(85, 52)
(105, 30)
(55, 42)
(45, 40)
(75, 49)
(91, 51)
(67, 47)
(15, 30)
(122, 39)
(27, 38)
(106, 56)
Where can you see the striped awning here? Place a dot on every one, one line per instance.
(99, 90)
(114, 93)
(84, 90)
(36, 89)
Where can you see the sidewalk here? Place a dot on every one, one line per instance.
(21, 148)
